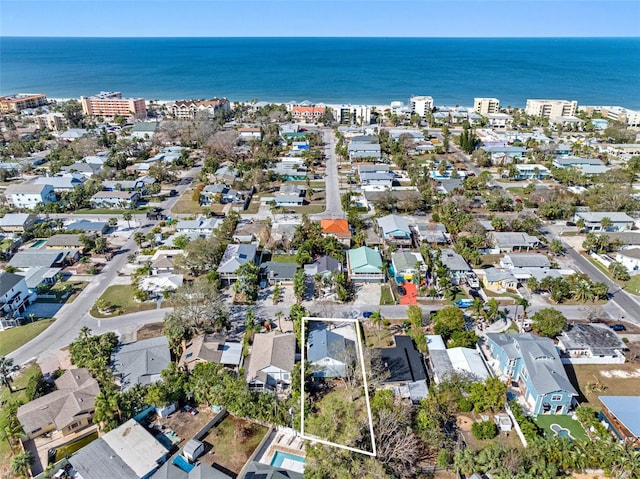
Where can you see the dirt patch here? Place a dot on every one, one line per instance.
(151, 330)
(232, 443)
(464, 423)
(186, 425)
(594, 380)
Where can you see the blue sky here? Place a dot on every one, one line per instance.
(382, 18)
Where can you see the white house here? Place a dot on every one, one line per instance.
(271, 360)
(14, 295)
(593, 220)
(29, 195)
(201, 226)
(115, 199)
(630, 259)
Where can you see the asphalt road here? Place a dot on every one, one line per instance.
(332, 193)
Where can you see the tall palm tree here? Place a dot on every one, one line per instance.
(6, 367)
(477, 306)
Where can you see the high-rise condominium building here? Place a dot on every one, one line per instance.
(21, 101)
(421, 105)
(486, 106)
(110, 104)
(551, 108)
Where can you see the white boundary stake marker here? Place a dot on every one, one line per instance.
(364, 380)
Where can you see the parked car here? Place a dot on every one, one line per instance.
(618, 327)
(191, 410)
(463, 303)
(367, 314)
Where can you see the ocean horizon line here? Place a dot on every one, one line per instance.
(336, 37)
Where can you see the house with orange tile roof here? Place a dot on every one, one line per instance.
(307, 113)
(338, 228)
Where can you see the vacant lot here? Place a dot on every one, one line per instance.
(13, 338)
(151, 330)
(233, 441)
(593, 380)
(186, 205)
(466, 420)
(120, 300)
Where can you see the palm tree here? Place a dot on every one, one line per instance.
(533, 284)
(493, 313)
(6, 367)
(279, 318)
(85, 332)
(606, 223)
(138, 238)
(127, 217)
(582, 292)
(21, 464)
(477, 306)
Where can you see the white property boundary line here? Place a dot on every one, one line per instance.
(364, 380)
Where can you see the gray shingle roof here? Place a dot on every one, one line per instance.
(532, 260)
(33, 258)
(391, 223)
(235, 256)
(271, 349)
(453, 261)
(327, 344)
(8, 281)
(141, 362)
(599, 338)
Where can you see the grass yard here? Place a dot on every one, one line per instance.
(632, 286)
(544, 422)
(283, 258)
(385, 295)
(311, 209)
(19, 395)
(593, 380)
(234, 440)
(59, 290)
(108, 211)
(13, 338)
(120, 298)
(69, 449)
(185, 205)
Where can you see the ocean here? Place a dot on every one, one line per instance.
(594, 71)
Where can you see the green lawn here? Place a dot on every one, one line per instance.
(18, 395)
(544, 421)
(108, 211)
(59, 290)
(13, 338)
(632, 286)
(283, 258)
(69, 449)
(308, 209)
(385, 295)
(120, 298)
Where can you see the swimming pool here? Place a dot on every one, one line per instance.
(183, 464)
(288, 461)
(39, 243)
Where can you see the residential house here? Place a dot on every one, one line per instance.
(257, 470)
(14, 295)
(324, 266)
(291, 169)
(89, 227)
(43, 258)
(443, 362)
(379, 175)
(499, 120)
(222, 194)
(144, 129)
(164, 261)
(167, 155)
(140, 184)
(458, 267)
(250, 232)
(592, 344)
(365, 265)
(128, 452)
(274, 272)
(525, 260)
(339, 229)
(329, 353)
(575, 162)
(140, 362)
(407, 373)
(66, 410)
(533, 363)
(507, 242)
(432, 233)
(593, 220)
(61, 182)
(532, 172)
(290, 195)
(308, 113)
(498, 280)
(630, 259)
(249, 134)
(64, 241)
(115, 199)
(201, 226)
(235, 256)
(39, 276)
(192, 109)
(158, 284)
(407, 266)
(502, 155)
(17, 222)
(271, 361)
(394, 230)
(212, 348)
(620, 416)
(226, 174)
(448, 186)
(365, 147)
(29, 195)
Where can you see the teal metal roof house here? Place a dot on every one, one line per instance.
(364, 264)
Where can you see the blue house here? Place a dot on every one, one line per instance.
(394, 230)
(329, 353)
(533, 363)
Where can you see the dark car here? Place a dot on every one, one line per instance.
(570, 223)
(618, 327)
(402, 291)
(173, 193)
(367, 314)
